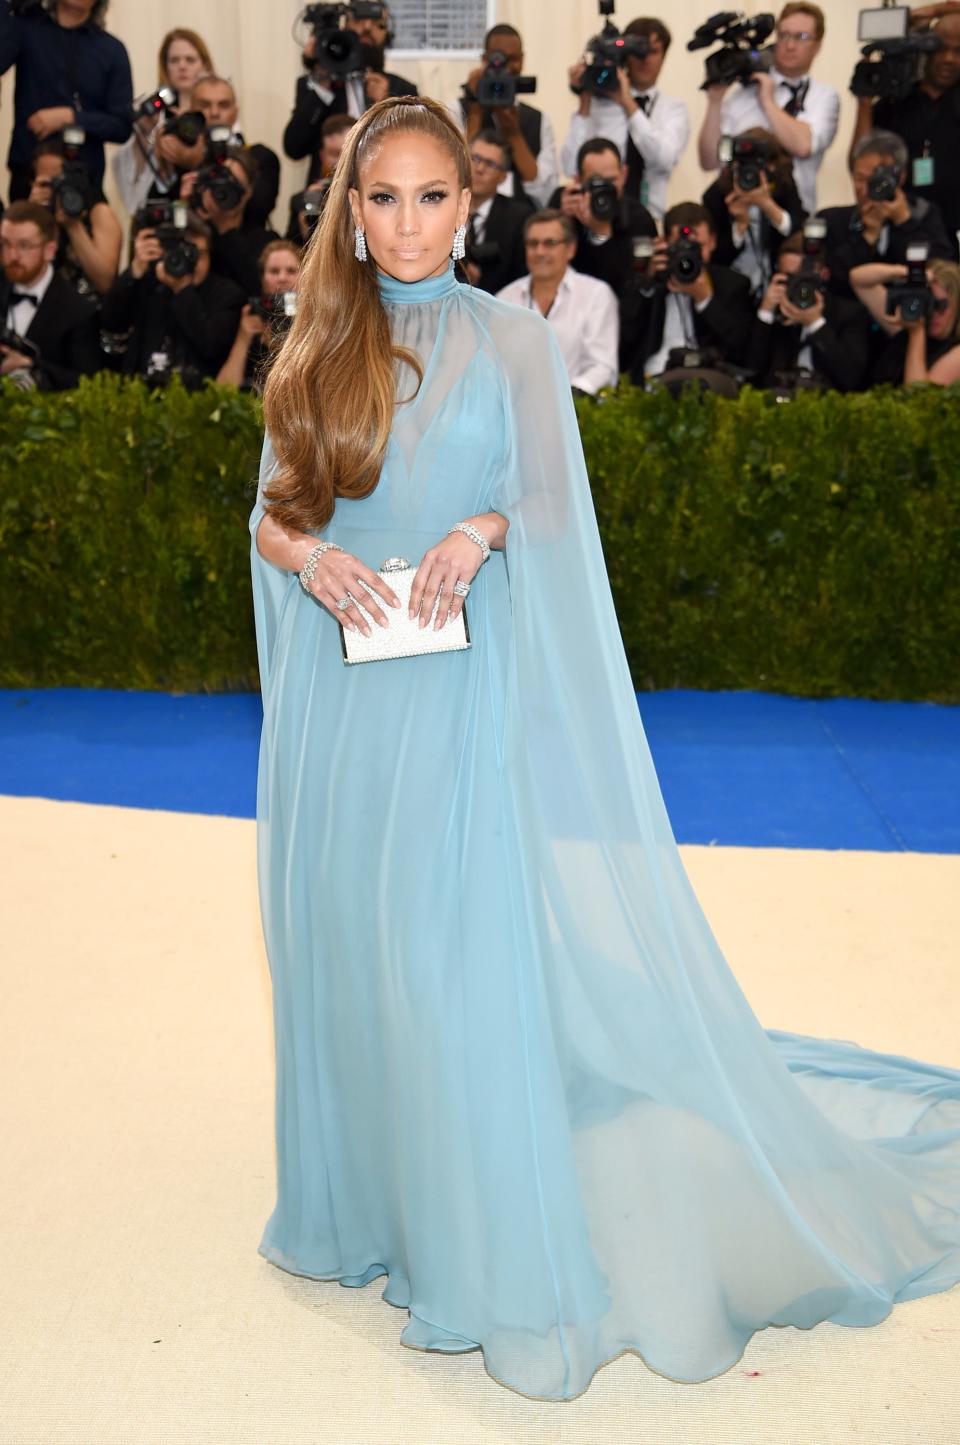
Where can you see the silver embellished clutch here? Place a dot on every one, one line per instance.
(403, 637)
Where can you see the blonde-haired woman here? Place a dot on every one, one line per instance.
(146, 160)
(514, 1073)
(928, 348)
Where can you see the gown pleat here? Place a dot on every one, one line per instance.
(514, 1072)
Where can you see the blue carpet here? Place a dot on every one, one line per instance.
(735, 768)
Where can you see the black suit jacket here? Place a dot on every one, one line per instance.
(612, 261)
(846, 247)
(302, 136)
(724, 324)
(841, 347)
(66, 332)
(265, 187)
(504, 229)
(195, 326)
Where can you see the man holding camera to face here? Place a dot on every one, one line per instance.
(802, 335)
(49, 332)
(801, 111)
(606, 220)
(168, 312)
(623, 104)
(90, 235)
(490, 103)
(885, 219)
(220, 194)
(682, 307)
(345, 60)
(70, 72)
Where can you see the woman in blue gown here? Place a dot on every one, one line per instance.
(515, 1074)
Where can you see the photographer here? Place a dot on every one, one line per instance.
(167, 313)
(928, 119)
(496, 254)
(69, 72)
(683, 301)
(321, 93)
(804, 330)
(925, 345)
(527, 132)
(582, 311)
(605, 219)
(755, 205)
(141, 164)
(885, 219)
(801, 112)
(264, 317)
(220, 194)
(91, 238)
(50, 331)
(303, 217)
(649, 129)
(216, 101)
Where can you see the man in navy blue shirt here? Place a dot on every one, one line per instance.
(69, 72)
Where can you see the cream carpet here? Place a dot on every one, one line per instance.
(137, 1164)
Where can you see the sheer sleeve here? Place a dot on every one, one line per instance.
(271, 584)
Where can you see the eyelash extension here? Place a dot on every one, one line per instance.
(379, 196)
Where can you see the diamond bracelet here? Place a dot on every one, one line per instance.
(310, 566)
(469, 530)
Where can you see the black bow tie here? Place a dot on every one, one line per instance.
(16, 296)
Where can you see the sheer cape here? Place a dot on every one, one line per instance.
(514, 1071)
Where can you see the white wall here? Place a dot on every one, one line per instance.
(251, 42)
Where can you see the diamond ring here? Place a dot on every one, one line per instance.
(461, 588)
(343, 604)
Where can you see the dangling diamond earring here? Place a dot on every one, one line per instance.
(360, 244)
(459, 249)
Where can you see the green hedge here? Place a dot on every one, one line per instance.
(811, 547)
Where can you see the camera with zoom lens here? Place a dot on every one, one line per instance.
(608, 54)
(497, 86)
(891, 66)
(804, 287)
(278, 307)
(187, 128)
(884, 183)
(339, 51)
(749, 160)
(72, 189)
(912, 297)
(684, 258)
(742, 53)
(310, 205)
(168, 219)
(216, 177)
(602, 197)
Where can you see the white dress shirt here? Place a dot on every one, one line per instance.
(354, 90)
(660, 136)
(753, 259)
(678, 329)
(585, 318)
(820, 110)
(20, 316)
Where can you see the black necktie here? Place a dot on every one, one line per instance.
(643, 101)
(16, 296)
(798, 94)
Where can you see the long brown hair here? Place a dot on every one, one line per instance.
(330, 399)
(192, 38)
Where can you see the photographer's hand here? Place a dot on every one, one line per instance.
(896, 211)
(575, 77)
(49, 120)
(180, 156)
(251, 325)
(146, 250)
(624, 95)
(763, 197)
(699, 290)
(738, 205)
(797, 317)
(13, 361)
(775, 292)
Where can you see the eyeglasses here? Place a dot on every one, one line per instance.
(798, 35)
(483, 164)
(548, 241)
(22, 248)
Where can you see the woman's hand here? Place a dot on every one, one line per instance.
(455, 559)
(340, 574)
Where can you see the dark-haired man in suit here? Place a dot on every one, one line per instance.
(320, 94)
(712, 313)
(41, 307)
(496, 253)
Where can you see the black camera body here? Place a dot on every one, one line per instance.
(609, 52)
(188, 127)
(339, 51)
(497, 87)
(312, 202)
(19, 8)
(911, 297)
(169, 219)
(805, 286)
(11, 341)
(279, 308)
(884, 183)
(72, 189)
(602, 197)
(749, 159)
(684, 258)
(891, 68)
(742, 54)
(216, 177)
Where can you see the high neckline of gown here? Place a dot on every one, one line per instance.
(431, 288)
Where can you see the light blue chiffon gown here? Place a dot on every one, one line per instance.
(514, 1072)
